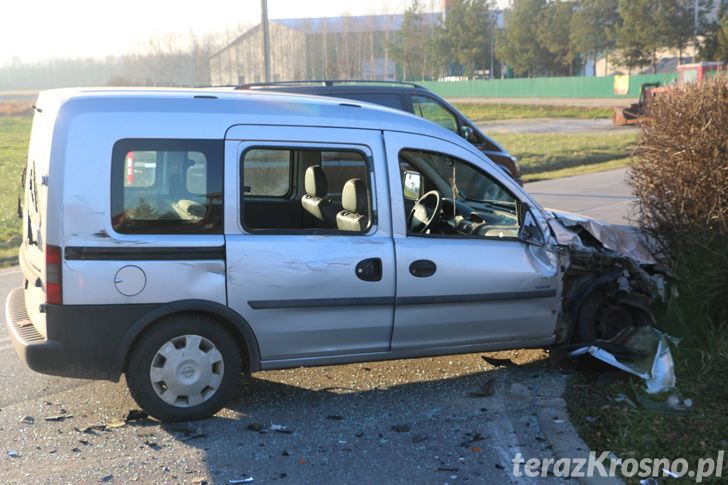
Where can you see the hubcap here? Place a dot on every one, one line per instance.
(186, 371)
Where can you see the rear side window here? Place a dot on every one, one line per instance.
(167, 186)
(384, 99)
(430, 109)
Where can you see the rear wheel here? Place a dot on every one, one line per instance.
(185, 367)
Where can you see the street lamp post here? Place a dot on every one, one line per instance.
(266, 38)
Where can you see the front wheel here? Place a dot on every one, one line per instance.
(602, 317)
(185, 367)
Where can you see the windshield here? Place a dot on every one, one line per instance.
(470, 184)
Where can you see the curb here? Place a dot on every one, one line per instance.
(556, 426)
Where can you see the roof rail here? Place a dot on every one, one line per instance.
(325, 82)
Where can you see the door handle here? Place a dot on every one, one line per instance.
(422, 268)
(369, 269)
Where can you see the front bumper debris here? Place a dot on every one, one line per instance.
(640, 351)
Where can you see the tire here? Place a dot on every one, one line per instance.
(601, 318)
(185, 367)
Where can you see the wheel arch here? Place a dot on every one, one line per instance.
(240, 328)
(588, 285)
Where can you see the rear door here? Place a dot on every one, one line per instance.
(308, 292)
(34, 213)
(455, 290)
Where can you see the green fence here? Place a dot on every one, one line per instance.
(544, 87)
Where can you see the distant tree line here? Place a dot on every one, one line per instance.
(555, 37)
(471, 39)
(173, 60)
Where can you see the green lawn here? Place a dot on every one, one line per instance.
(490, 112)
(14, 137)
(553, 155)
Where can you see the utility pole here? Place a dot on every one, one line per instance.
(492, 34)
(266, 38)
(695, 23)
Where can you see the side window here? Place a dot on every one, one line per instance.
(267, 173)
(196, 176)
(167, 186)
(431, 110)
(385, 99)
(459, 199)
(340, 167)
(305, 190)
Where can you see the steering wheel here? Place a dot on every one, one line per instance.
(424, 211)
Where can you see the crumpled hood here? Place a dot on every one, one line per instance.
(579, 232)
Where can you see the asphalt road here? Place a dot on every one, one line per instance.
(602, 195)
(553, 125)
(407, 421)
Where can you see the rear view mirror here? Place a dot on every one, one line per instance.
(467, 132)
(530, 233)
(412, 185)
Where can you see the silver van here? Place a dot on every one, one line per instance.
(186, 238)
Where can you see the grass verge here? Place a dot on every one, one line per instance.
(490, 112)
(700, 432)
(578, 170)
(546, 156)
(14, 137)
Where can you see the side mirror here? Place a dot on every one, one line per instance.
(530, 233)
(467, 132)
(412, 185)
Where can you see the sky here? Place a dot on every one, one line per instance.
(34, 30)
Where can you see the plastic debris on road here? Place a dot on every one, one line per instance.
(279, 428)
(640, 351)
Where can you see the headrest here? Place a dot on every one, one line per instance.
(354, 197)
(315, 182)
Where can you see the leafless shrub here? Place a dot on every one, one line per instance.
(16, 108)
(681, 181)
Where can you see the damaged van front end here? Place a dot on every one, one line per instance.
(611, 280)
(612, 284)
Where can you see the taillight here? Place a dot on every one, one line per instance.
(130, 168)
(53, 275)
